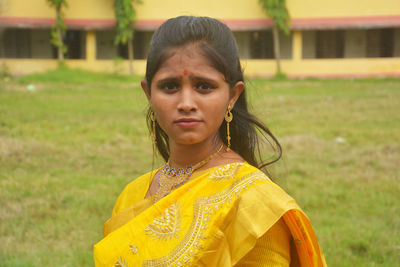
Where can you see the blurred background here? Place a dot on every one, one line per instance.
(327, 39)
(323, 75)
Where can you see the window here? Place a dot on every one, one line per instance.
(261, 45)
(76, 45)
(16, 43)
(107, 50)
(380, 43)
(329, 44)
(141, 43)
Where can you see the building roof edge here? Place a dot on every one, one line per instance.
(234, 24)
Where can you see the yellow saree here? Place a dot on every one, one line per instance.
(213, 220)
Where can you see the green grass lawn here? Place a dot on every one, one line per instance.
(68, 147)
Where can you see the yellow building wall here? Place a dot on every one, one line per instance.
(371, 67)
(363, 67)
(27, 66)
(342, 8)
(77, 9)
(223, 9)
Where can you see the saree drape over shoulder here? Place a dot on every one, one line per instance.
(230, 215)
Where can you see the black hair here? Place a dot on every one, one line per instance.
(218, 44)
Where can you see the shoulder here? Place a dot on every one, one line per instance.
(133, 192)
(252, 187)
(253, 204)
(262, 196)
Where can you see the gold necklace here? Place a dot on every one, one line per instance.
(171, 179)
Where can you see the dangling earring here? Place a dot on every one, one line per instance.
(153, 134)
(228, 119)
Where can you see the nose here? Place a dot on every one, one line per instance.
(187, 101)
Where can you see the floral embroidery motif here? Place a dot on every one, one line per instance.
(204, 209)
(133, 249)
(121, 263)
(226, 172)
(167, 225)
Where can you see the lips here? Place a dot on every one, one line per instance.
(187, 122)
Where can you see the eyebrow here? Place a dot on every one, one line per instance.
(169, 79)
(174, 79)
(202, 78)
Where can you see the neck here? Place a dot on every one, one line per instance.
(185, 155)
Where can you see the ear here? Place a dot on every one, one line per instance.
(235, 93)
(146, 90)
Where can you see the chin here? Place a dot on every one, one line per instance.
(189, 140)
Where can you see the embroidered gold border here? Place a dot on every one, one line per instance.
(121, 263)
(204, 208)
(167, 225)
(226, 172)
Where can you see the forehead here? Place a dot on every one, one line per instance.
(187, 58)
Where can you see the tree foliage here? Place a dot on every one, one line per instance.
(59, 29)
(277, 10)
(125, 15)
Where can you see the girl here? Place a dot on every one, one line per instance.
(209, 205)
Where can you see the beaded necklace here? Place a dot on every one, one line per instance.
(171, 179)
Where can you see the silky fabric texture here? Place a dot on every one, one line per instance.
(230, 215)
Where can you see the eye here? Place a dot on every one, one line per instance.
(169, 86)
(204, 86)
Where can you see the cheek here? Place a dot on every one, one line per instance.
(158, 102)
(220, 117)
(161, 111)
(216, 113)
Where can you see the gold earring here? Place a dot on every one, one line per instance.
(228, 119)
(153, 134)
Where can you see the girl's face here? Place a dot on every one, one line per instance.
(189, 97)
